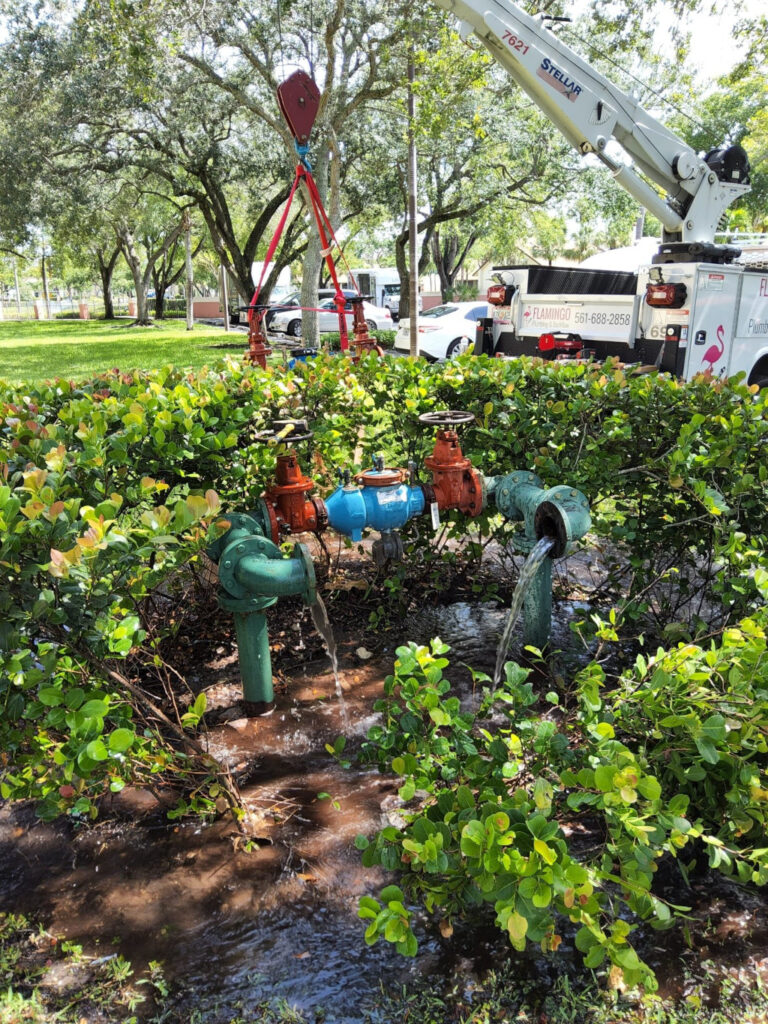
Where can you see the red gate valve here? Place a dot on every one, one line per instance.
(258, 349)
(287, 503)
(361, 339)
(455, 481)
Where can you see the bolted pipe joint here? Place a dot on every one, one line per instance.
(560, 512)
(254, 567)
(563, 515)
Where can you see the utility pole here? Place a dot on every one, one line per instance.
(187, 225)
(413, 261)
(46, 296)
(224, 296)
(16, 283)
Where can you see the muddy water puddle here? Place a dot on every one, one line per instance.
(233, 927)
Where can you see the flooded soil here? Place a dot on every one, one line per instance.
(234, 927)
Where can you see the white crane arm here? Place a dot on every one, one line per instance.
(590, 110)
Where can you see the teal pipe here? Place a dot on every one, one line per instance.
(537, 608)
(255, 659)
(560, 513)
(271, 577)
(253, 574)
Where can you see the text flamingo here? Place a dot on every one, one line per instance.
(714, 353)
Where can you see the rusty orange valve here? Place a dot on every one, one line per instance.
(258, 350)
(288, 505)
(455, 481)
(361, 339)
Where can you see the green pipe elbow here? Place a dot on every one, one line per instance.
(274, 577)
(254, 567)
(560, 512)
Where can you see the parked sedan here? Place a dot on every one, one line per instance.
(291, 300)
(288, 321)
(444, 331)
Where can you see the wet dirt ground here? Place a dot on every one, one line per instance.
(234, 928)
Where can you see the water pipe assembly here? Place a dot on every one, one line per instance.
(254, 573)
(560, 513)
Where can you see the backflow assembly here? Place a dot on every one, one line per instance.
(254, 572)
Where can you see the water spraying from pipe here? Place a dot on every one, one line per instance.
(319, 614)
(527, 576)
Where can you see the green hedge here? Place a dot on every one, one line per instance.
(110, 488)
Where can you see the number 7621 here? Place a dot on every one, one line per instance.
(514, 43)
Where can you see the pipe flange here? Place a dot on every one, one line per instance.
(270, 518)
(245, 605)
(429, 494)
(238, 521)
(504, 491)
(548, 521)
(387, 477)
(301, 551)
(232, 555)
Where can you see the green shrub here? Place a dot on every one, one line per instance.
(105, 496)
(671, 760)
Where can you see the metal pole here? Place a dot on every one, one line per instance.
(45, 289)
(188, 267)
(413, 261)
(18, 293)
(224, 296)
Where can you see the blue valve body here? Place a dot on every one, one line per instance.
(352, 509)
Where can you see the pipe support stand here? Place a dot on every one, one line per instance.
(537, 608)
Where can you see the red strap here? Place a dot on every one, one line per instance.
(323, 223)
(321, 220)
(273, 244)
(329, 226)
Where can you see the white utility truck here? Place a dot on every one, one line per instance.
(695, 308)
(383, 284)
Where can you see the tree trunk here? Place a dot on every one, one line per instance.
(448, 260)
(106, 270)
(134, 264)
(238, 262)
(412, 306)
(159, 303)
(189, 279)
(141, 279)
(45, 288)
(313, 258)
(401, 262)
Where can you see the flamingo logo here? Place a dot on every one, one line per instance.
(715, 352)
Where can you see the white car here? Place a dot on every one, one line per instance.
(444, 331)
(288, 321)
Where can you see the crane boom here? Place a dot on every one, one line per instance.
(590, 111)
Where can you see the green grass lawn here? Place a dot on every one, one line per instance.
(77, 349)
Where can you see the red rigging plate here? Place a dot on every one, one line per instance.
(299, 100)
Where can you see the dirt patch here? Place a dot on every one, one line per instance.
(234, 926)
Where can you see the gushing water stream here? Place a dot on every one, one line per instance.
(322, 623)
(527, 574)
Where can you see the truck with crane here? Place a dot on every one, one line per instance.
(695, 308)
